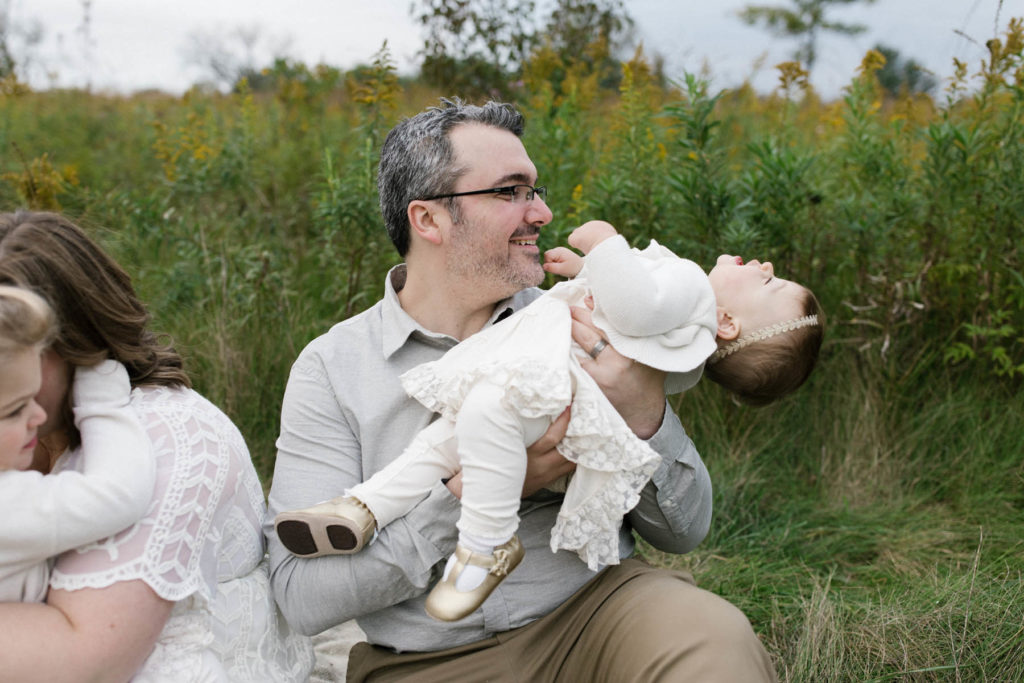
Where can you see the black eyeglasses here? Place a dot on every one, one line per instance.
(513, 193)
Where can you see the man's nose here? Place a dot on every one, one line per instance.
(538, 212)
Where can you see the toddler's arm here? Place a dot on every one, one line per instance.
(53, 513)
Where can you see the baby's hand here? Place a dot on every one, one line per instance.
(591, 234)
(563, 261)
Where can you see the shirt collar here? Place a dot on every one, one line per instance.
(399, 327)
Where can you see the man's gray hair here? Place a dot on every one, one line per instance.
(417, 159)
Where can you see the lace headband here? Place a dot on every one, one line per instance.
(760, 335)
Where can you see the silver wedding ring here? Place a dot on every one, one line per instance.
(598, 348)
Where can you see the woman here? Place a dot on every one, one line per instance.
(182, 595)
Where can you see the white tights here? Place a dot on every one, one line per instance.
(487, 441)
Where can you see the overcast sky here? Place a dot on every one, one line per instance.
(136, 44)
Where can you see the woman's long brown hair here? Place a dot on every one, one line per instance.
(99, 315)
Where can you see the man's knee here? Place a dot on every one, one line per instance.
(668, 629)
(672, 603)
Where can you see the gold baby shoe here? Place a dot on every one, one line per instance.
(448, 604)
(339, 526)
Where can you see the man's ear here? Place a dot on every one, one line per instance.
(728, 326)
(423, 220)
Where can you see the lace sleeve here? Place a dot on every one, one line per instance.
(203, 522)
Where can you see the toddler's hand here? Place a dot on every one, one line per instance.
(104, 384)
(591, 234)
(563, 261)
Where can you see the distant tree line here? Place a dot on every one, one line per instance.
(479, 47)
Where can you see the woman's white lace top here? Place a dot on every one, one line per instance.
(199, 545)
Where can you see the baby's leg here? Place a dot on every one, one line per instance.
(492, 451)
(345, 524)
(492, 440)
(395, 490)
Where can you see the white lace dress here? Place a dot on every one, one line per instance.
(200, 545)
(532, 355)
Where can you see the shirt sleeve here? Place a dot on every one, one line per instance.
(319, 456)
(57, 512)
(674, 512)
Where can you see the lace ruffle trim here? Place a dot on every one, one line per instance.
(599, 440)
(168, 590)
(532, 389)
(592, 530)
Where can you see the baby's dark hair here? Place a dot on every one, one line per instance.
(761, 370)
(26, 321)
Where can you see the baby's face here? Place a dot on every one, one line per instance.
(751, 293)
(20, 415)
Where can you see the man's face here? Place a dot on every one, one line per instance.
(493, 245)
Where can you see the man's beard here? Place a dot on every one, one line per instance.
(495, 269)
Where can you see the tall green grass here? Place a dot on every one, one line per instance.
(869, 525)
(869, 537)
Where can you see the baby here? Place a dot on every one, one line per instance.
(45, 515)
(500, 389)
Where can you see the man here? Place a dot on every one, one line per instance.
(471, 259)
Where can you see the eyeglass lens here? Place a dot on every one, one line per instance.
(525, 193)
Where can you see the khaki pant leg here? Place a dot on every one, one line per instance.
(659, 627)
(480, 661)
(631, 623)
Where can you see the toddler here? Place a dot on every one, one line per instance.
(45, 515)
(500, 389)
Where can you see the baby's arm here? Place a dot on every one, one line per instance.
(563, 261)
(591, 234)
(64, 510)
(568, 263)
(641, 294)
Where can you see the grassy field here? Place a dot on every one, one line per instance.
(870, 525)
(870, 537)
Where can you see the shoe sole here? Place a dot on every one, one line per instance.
(307, 535)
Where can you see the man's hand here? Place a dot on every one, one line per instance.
(636, 390)
(544, 464)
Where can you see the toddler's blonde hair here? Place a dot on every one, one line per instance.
(765, 369)
(26, 321)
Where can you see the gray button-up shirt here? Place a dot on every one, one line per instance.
(345, 416)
